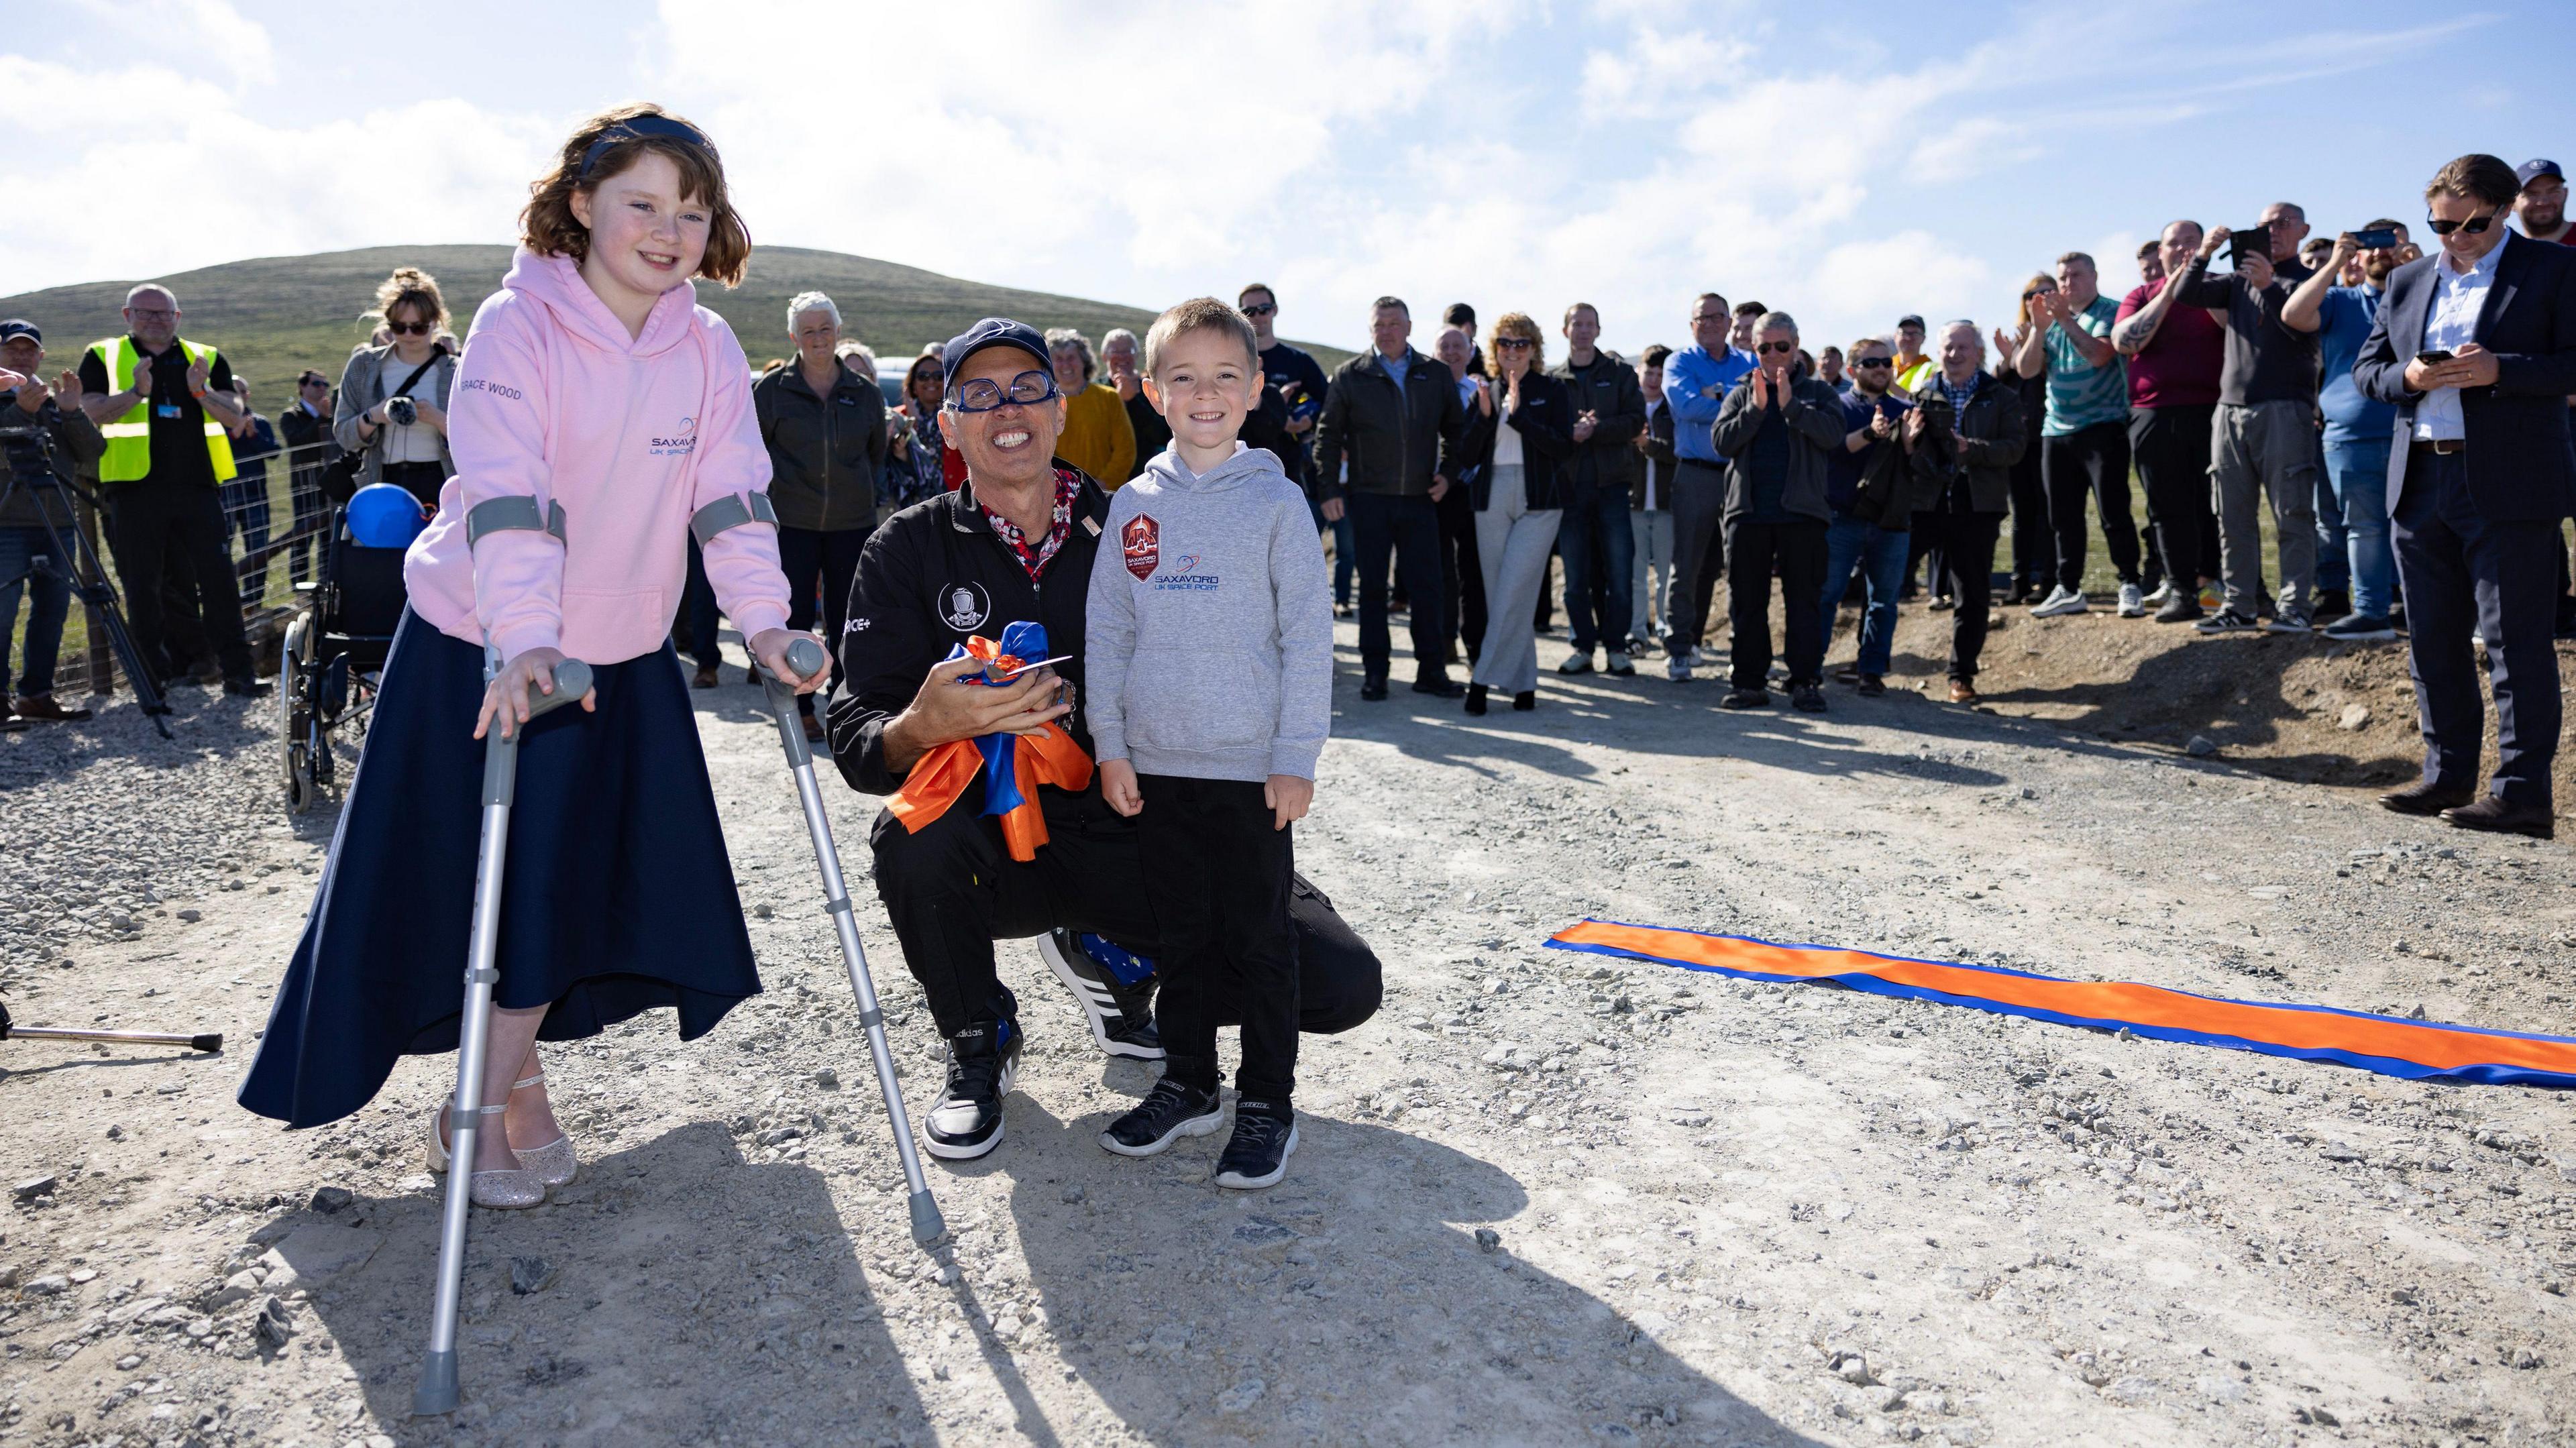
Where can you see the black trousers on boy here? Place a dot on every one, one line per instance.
(1217, 876)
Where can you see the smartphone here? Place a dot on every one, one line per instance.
(2378, 238)
(2434, 356)
(2254, 240)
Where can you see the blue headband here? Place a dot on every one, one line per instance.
(635, 128)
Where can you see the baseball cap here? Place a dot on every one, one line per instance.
(1909, 320)
(16, 327)
(2530, 171)
(992, 332)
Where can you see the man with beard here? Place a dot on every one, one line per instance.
(2357, 427)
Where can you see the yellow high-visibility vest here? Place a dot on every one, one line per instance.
(129, 436)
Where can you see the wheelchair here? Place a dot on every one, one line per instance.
(333, 656)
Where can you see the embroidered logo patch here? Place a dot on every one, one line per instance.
(1141, 541)
(966, 606)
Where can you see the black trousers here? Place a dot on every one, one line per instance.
(953, 889)
(1699, 551)
(1462, 573)
(2034, 548)
(1409, 529)
(2092, 460)
(1965, 544)
(1218, 878)
(1797, 550)
(2463, 573)
(809, 558)
(312, 518)
(2170, 446)
(163, 530)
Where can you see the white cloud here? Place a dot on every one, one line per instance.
(230, 48)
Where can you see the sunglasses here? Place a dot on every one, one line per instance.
(1873, 362)
(1783, 347)
(408, 329)
(1513, 344)
(1262, 310)
(2473, 226)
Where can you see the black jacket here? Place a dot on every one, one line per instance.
(823, 459)
(1991, 438)
(1656, 458)
(2517, 460)
(929, 577)
(1608, 458)
(1545, 422)
(1814, 415)
(1397, 439)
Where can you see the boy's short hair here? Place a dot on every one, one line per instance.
(1199, 314)
(1658, 354)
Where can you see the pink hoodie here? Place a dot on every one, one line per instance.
(553, 401)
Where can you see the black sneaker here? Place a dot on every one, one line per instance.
(1439, 686)
(966, 1121)
(1372, 690)
(1257, 1154)
(2181, 608)
(1872, 686)
(1745, 699)
(1807, 698)
(1114, 987)
(1168, 1112)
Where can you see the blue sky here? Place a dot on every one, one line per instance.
(1844, 162)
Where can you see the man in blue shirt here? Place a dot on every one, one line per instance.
(2357, 427)
(1696, 380)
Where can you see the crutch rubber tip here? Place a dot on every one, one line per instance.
(212, 1041)
(437, 1391)
(926, 1225)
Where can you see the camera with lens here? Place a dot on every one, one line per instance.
(29, 452)
(1938, 418)
(402, 411)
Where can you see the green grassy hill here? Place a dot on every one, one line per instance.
(275, 316)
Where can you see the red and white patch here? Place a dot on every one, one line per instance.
(1142, 543)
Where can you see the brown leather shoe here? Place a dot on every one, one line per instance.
(2491, 813)
(2426, 798)
(45, 708)
(1963, 692)
(704, 678)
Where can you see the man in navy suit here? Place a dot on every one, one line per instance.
(2476, 347)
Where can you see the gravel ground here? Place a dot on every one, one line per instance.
(1543, 1198)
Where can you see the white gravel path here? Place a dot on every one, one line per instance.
(1543, 1198)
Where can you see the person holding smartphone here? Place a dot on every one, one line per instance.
(2356, 426)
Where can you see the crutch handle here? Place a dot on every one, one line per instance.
(804, 656)
(572, 680)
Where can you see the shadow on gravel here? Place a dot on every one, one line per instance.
(695, 1299)
(1351, 1304)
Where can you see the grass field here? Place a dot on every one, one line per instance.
(276, 316)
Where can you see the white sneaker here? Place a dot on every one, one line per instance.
(2061, 600)
(1677, 668)
(2162, 596)
(1692, 658)
(1576, 663)
(2133, 604)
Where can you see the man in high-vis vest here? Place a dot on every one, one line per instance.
(165, 405)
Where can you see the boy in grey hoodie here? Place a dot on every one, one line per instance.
(1208, 652)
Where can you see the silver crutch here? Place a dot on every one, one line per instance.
(806, 657)
(437, 1391)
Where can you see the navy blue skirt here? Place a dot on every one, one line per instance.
(618, 895)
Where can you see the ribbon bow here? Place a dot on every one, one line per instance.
(1012, 766)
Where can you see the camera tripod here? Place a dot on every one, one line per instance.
(31, 466)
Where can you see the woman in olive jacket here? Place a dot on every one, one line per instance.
(1522, 431)
(825, 427)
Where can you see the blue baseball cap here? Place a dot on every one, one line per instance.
(17, 327)
(2530, 171)
(992, 332)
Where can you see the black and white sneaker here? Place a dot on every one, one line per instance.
(966, 1121)
(1169, 1112)
(1114, 986)
(1257, 1154)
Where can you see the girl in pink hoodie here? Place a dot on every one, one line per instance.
(599, 417)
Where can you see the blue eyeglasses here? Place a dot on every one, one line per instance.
(983, 394)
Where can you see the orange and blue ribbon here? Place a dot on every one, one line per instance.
(1011, 766)
(2416, 1050)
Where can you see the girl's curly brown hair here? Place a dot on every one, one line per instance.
(549, 228)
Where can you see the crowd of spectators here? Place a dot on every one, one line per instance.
(1475, 487)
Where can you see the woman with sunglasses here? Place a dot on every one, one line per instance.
(2034, 548)
(916, 465)
(1516, 445)
(393, 395)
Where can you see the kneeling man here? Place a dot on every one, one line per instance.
(1014, 543)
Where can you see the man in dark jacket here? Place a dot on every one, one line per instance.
(2475, 346)
(1395, 414)
(1650, 508)
(310, 448)
(1975, 452)
(825, 428)
(1599, 549)
(246, 495)
(1776, 431)
(1015, 542)
(25, 513)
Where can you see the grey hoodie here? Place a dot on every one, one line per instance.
(1208, 642)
